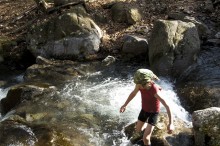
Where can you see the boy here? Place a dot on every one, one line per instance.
(151, 99)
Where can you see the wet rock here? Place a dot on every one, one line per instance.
(160, 137)
(217, 35)
(15, 130)
(108, 60)
(58, 72)
(16, 133)
(87, 121)
(206, 126)
(209, 7)
(213, 42)
(33, 117)
(51, 71)
(198, 86)
(19, 93)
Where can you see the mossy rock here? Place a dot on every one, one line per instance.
(160, 137)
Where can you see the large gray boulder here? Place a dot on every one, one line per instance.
(206, 126)
(73, 35)
(203, 30)
(173, 47)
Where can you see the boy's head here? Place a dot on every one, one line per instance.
(143, 76)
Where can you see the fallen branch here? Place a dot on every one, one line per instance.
(51, 10)
(24, 14)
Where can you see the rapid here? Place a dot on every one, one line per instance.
(101, 93)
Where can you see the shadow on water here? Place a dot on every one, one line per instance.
(9, 77)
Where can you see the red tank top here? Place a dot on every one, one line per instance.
(149, 102)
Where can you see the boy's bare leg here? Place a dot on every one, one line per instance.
(140, 126)
(147, 134)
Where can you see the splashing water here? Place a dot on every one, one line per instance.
(105, 96)
(3, 93)
(13, 80)
(173, 100)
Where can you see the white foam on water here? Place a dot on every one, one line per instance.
(3, 93)
(173, 100)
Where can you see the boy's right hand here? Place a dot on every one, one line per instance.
(122, 109)
(170, 128)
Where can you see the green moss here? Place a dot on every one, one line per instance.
(62, 140)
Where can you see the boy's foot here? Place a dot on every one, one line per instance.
(140, 142)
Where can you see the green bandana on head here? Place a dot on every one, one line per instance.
(142, 76)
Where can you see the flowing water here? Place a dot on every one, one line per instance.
(103, 93)
(14, 79)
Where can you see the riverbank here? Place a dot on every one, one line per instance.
(17, 17)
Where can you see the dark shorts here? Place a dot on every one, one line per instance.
(147, 117)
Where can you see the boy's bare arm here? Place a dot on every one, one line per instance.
(170, 126)
(130, 97)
